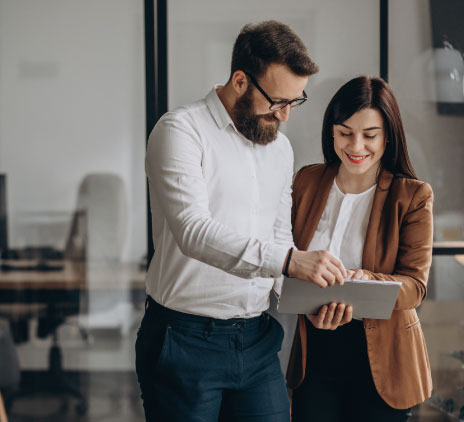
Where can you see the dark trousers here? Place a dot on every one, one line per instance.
(338, 386)
(187, 365)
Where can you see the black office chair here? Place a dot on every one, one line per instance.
(9, 365)
(51, 312)
(50, 316)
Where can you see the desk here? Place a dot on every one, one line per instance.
(60, 292)
(49, 286)
(449, 247)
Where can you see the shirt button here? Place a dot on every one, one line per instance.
(253, 283)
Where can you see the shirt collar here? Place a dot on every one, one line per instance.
(219, 112)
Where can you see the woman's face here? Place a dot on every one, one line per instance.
(360, 142)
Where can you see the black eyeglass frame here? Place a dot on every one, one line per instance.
(277, 105)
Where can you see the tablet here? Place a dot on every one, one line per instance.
(369, 298)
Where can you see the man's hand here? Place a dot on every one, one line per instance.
(332, 316)
(320, 267)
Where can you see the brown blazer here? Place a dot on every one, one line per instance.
(398, 246)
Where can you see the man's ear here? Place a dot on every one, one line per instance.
(239, 82)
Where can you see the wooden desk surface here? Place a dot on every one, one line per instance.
(108, 276)
(75, 275)
(449, 247)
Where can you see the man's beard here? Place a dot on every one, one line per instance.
(249, 124)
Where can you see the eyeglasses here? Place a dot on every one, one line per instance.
(277, 105)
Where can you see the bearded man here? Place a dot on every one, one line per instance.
(220, 176)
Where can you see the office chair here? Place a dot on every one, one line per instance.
(50, 317)
(102, 197)
(96, 235)
(9, 365)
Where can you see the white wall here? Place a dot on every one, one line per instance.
(72, 102)
(342, 37)
(436, 141)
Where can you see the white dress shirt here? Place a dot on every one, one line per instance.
(343, 225)
(220, 212)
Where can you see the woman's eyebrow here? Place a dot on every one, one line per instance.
(367, 128)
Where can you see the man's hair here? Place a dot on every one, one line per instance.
(270, 42)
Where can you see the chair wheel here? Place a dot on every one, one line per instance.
(64, 407)
(81, 408)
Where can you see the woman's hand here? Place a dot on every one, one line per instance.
(358, 274)
(332, 316)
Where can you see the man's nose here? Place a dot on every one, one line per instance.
(283, 113)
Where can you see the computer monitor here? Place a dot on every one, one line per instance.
(3, 217)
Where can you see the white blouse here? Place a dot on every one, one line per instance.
(343, 225)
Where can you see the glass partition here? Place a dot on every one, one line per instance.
(426, 70)
(72, 143)
(73, 230)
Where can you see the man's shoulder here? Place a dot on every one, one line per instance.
(182, 123)
(186, 113)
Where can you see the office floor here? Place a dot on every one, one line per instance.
(111, 396)
(103, 370)
(101, 367)
(114, 396)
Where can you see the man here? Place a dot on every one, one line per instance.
(220, 175)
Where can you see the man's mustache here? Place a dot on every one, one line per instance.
(269, 117)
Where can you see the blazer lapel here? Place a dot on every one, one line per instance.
(370, 243)
(317, 207)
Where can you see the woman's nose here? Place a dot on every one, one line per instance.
(357, 143)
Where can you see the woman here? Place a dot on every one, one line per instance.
(365, 206)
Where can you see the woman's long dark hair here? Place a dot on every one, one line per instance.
(358, 94)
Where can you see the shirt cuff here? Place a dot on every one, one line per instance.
(277, 256)
(278, 283)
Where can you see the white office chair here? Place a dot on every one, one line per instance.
(102, 201)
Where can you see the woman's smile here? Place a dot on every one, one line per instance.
(356, 159)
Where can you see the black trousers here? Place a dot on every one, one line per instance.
(338, 386)
(191, 368)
